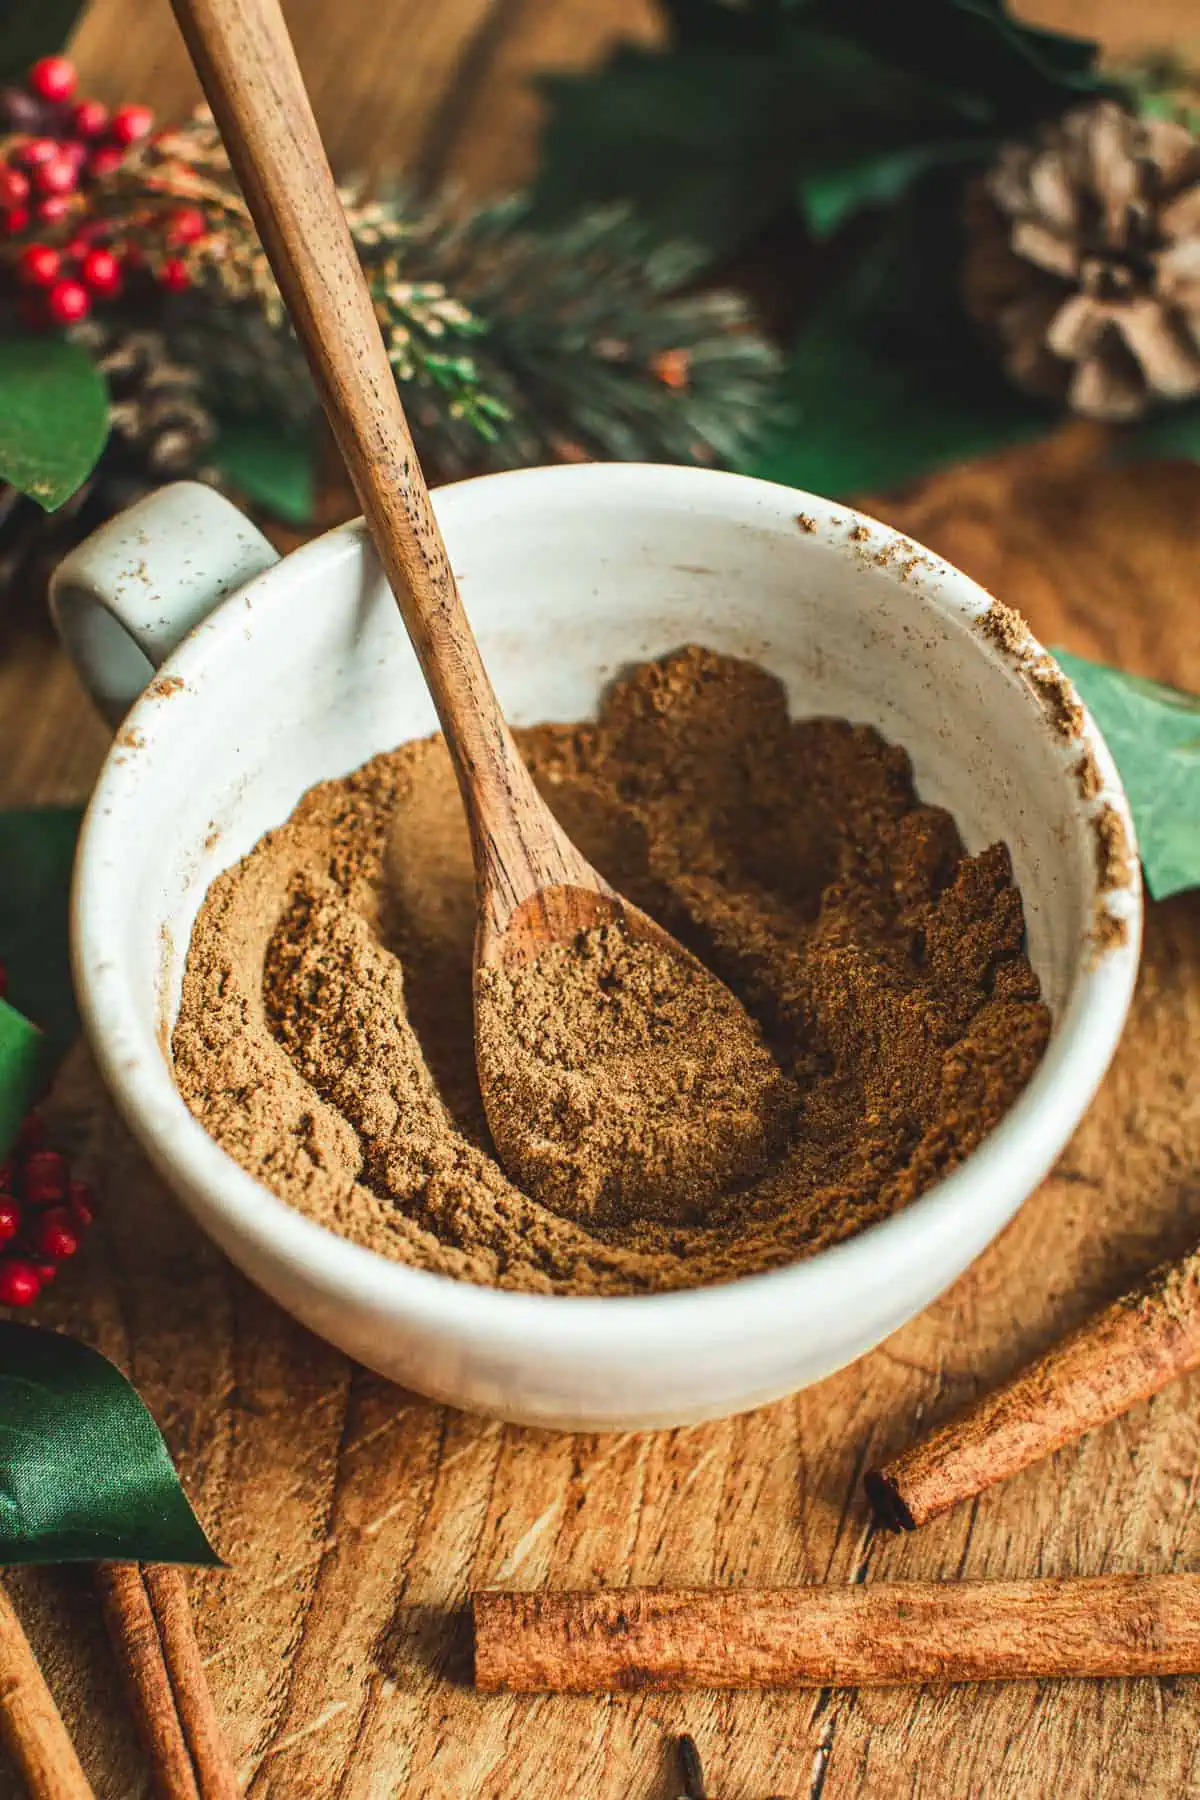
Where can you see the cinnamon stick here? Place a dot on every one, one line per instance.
(149, 1622)
(876, 1635)
(215, 1774)
(1143, 1341)
(31, 1725)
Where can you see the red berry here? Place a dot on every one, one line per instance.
(55, 1234)
(44, 1176)
(38, 265)
(38, 150)
(82, 1202)
(20, 1282)
(129, 123)
(174, 275)
(58, 176)
(53, 78)
(186, 225)
(14, 187)
(10, 1218)
(53, 209)
(15, 220)
(104, 161)
(46, 1271)
(67, 302)
(72, 151)
(101, 272)
(89, 118)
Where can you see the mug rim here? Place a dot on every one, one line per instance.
(1016, 1154)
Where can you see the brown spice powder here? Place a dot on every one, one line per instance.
(626, 1081)
(325, 1033)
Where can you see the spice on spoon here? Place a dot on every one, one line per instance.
(641, 1086)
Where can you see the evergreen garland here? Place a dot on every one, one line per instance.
(513, 343)
(520, 345)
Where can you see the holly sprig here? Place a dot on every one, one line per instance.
(58, 260)
(100, 210)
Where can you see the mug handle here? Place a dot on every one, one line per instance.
(124, 598)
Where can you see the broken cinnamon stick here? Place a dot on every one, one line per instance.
(149, 1623)
(31, 1726)
(880, 1634)
(1143, 1341)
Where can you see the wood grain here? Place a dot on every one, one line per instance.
(356, 1518)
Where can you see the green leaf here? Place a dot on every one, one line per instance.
(53, 417)
(33, 28)
(84, 1473)
(831, 104)
(24, 1066)
(702, 144)
(37, 851)
(1153, 732)
(854, 418)
(271, 467)
(887, 380)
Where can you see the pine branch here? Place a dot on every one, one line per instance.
(512, 344)
(593, 343)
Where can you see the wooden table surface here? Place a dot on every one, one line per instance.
(355, 1517)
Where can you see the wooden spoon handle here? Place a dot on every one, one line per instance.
(248, 69)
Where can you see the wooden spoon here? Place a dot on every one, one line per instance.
(535, 889)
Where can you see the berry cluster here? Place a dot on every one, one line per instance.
(57, 153)
(44, 1212)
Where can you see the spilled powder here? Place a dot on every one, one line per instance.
(325, 1033)
(625, 1081)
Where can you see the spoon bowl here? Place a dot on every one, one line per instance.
(622, 1080)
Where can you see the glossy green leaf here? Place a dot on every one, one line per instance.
(271, 467)
(84, 1473)
(37, 851)
(1153, 732)
(53, 417)
(33, 28)
(24, 1066)
(832, 105)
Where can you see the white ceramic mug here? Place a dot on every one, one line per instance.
(274, 675)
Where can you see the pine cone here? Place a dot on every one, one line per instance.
(159, 431)
(1083, 261)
